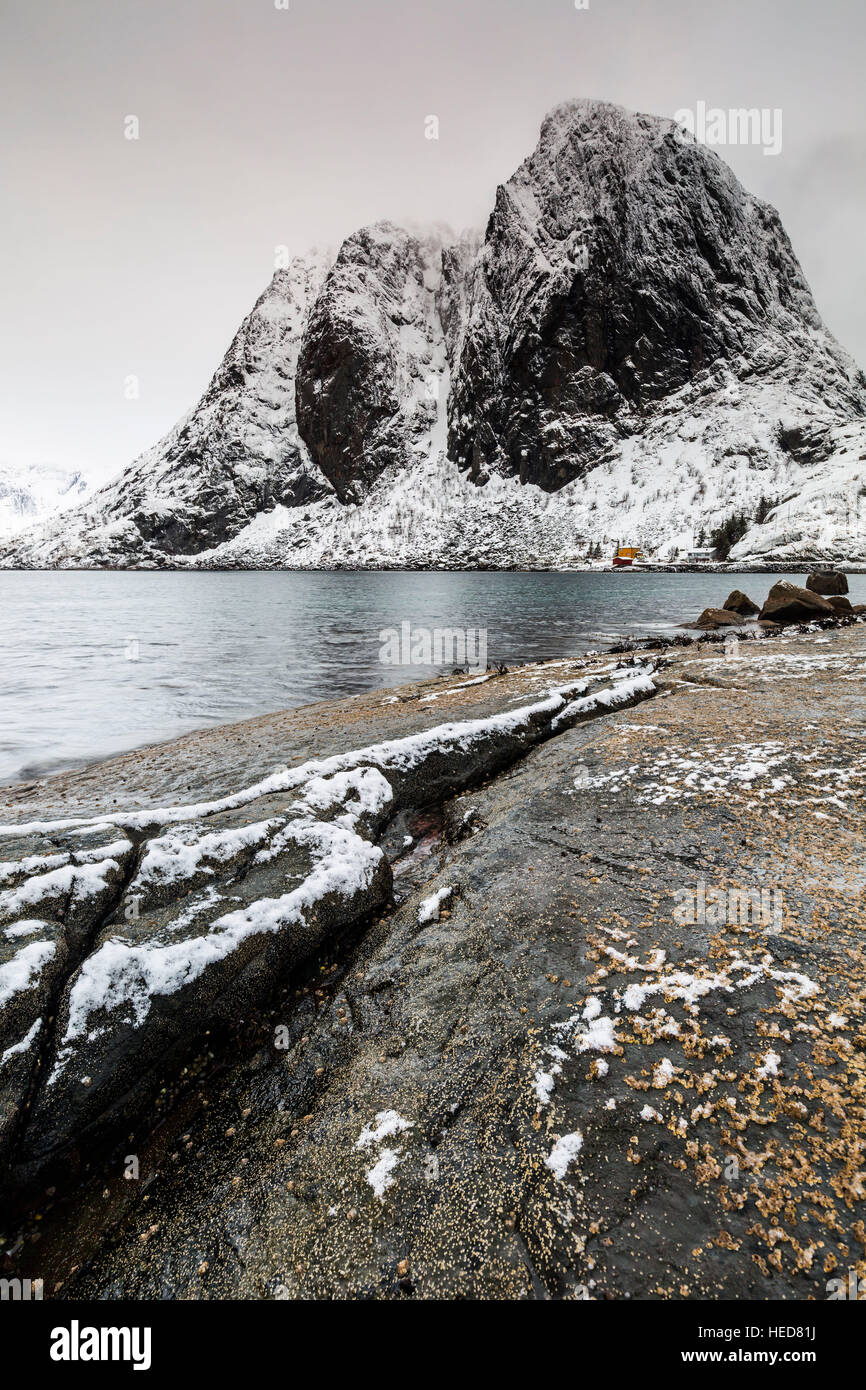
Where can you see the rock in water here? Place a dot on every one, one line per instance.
(827, 582)
(712, 618)
(738, 602)
(788, 603)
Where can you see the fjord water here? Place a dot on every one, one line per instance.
(96, 663)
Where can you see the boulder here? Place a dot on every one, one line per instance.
(840, 603)
(807, 441)
(827, 582)
(788, 603)
(738, 602)
(713, 618)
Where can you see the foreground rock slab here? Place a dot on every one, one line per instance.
(221, 899)
(606, 1041)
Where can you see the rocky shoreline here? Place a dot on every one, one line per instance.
(824, 598)
(178, 565)
(438, 993)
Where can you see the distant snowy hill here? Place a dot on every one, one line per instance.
(630, 351)
(33, 492)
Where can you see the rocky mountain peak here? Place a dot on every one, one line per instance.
(368, 374)
(630, 345)
(621, 260)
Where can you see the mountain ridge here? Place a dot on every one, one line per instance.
(35, 492)
(631, 350)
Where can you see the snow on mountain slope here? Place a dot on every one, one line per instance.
(630, 352)
(714, 451)
(237, 453)
(35, 492)
(620, 262)
(822, 517)
(371, 367)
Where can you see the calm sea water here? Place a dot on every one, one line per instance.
(94, 664)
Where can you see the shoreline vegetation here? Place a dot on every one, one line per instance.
(393, 996)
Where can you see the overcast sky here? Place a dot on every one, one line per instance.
(261, 127)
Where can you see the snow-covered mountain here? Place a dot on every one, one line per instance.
(31, 493)
(630, 351)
